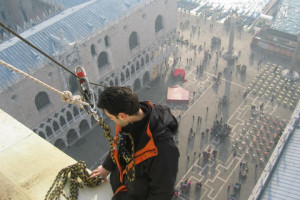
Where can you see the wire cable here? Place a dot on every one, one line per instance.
(43, 53)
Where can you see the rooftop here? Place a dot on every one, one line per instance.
(74, 24)
(285, 180)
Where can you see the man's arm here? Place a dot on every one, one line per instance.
(100, 171)
(105, 169)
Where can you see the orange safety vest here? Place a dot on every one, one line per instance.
(150, 150)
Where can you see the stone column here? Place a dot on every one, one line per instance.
(230, 55)
(231, 36)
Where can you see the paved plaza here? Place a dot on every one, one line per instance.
(256, 118)
(252, 105)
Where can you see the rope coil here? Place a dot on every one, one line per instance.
(73, 173)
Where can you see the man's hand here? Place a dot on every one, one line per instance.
(100, 171)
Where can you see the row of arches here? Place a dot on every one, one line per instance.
(42, 99)
(62, 121)
(130, 69)
(73, 134)
(103, 59)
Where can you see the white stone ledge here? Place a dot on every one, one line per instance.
(29, 164)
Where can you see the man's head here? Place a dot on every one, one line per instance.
(118, 101)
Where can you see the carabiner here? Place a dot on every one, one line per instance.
(84, 86)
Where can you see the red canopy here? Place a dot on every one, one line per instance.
(177, 94)
(178, 72)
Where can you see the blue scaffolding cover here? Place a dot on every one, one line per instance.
(285, 180)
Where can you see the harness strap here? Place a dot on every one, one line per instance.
(122, 188)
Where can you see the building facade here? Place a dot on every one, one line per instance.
(130, 48)
(21, 15)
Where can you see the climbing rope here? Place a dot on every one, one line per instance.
(128, 158)
(73, 173)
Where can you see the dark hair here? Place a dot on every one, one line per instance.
(118, 99)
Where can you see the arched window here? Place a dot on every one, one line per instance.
(133, 40)
(142, 62)
(136, 85)
(69, 116)
(75, 111)
(62, 121)
(122, 77)
(127, 73)
(55, 126)
(116, 81)
(93, 50)
(137, 64)
(41, 134)
(83, 126)
(111, 83)
(60, 144)
(158, 23)
(71, 136)
(102, 59)
(41, 100)
(107, 41)
(132, 69)
(146, 78)
(73, 84)
(49, 131)
(147, 58)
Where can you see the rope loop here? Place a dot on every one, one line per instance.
(67, 97)
(72, 174)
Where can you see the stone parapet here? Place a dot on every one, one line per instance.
(29, 164)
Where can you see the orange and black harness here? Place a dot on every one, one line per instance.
(150, 150)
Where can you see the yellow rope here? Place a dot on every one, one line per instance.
(73, 174)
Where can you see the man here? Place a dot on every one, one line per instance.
(149, 128)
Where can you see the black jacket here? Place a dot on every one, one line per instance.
(155, 177)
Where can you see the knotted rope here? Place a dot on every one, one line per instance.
(73, 174)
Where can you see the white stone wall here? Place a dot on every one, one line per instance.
(31, 165)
